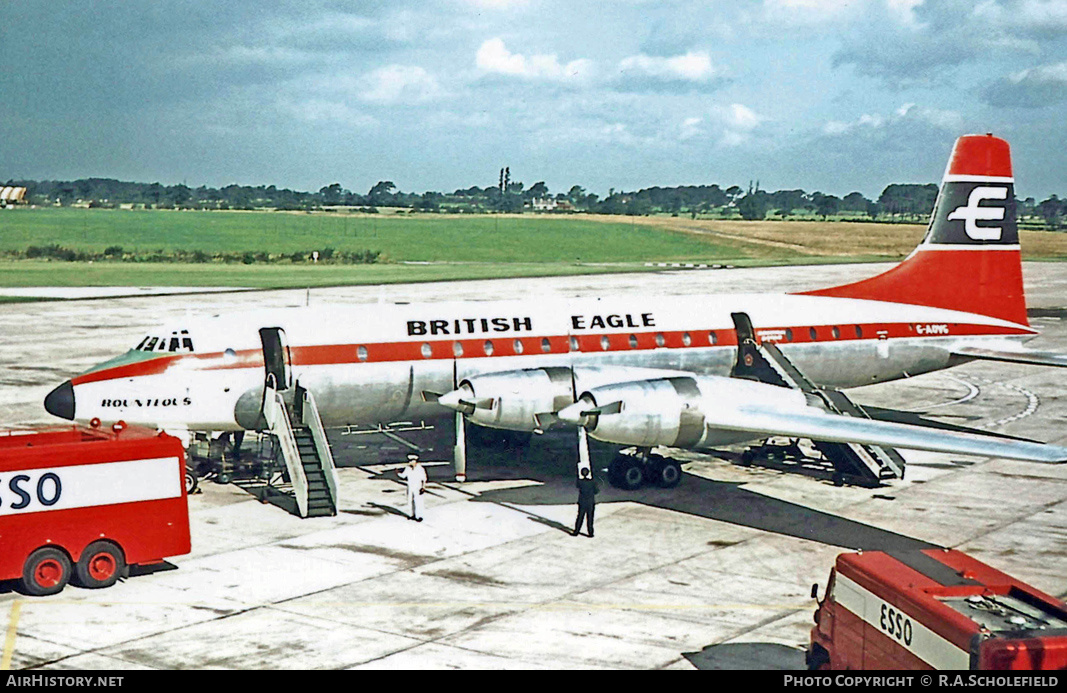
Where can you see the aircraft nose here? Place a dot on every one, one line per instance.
(60, 401)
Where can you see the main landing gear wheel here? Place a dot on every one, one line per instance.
(626, 472)
(46, 571)
(666, 473)
(100, 565)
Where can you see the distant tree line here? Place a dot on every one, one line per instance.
(328, 255)
(898, 201)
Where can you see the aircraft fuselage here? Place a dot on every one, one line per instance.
(369, 364)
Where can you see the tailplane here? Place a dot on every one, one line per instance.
(969, 259)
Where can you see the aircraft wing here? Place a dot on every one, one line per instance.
(816, 424)
(1037, 358)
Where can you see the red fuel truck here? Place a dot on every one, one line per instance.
(933, 609)
(82, 503)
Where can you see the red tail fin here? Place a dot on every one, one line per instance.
(969, 259)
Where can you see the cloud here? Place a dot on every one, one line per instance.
(908, 116)
(493, 57)
(1033, 88)
(688, 71)
(694, 66)
(400, 84)
(907, 43)
(809, 11)
(727, 126)
(316, 110)
(1028, 17)
(495, 4)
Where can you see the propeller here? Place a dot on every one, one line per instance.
(584, 412)
(463, 400)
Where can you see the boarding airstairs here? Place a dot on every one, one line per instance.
(765, 362)
(293, 419)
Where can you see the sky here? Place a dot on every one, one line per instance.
(829, 95)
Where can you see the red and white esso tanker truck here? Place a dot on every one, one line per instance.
(80, 503)
(933, 609)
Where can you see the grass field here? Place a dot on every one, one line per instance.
(452, 246)
(401, 237)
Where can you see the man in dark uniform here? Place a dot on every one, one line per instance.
(587, 490)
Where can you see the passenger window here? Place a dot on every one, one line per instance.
(713, 338)
(546, 346)
(518, 346)
(488, 347)
(361, 353)
(660, 340)
(813, 334)
(836, 333)
(457, 349)
(633, 341)
(788, 334)
(574, 344)
(686, 339)
(859, 332)
(426, 350)
(605, 343)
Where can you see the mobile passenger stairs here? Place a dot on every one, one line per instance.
(292, 418)
(862, 465)
(289, 415)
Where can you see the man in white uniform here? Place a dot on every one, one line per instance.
(415, 475)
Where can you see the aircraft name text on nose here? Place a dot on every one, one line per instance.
(168, 402)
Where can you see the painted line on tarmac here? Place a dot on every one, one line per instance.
(1033, 402)
(972, 392)
(565, 606)
(12, 631)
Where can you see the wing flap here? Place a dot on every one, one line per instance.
(819, 425)
(1036, 358)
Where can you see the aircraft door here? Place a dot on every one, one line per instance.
(276, 358)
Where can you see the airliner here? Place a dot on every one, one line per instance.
(638, 371)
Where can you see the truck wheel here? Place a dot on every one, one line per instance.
(817, 658)
(46, 571)
(100, 565)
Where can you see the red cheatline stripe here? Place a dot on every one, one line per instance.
(381, 352)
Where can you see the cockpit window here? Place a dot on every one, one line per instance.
(178, 342)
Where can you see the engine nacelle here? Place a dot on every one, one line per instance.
(512, 399)
(682, 411)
